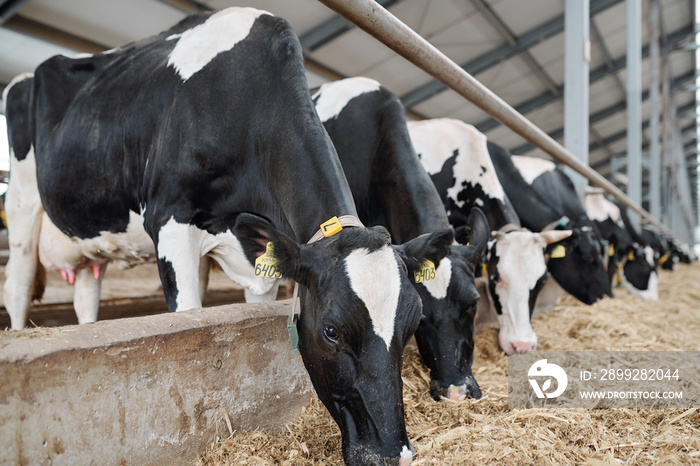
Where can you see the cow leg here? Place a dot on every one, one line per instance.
(204, 267)
(86, 296)
(23, 210)
(178, 248)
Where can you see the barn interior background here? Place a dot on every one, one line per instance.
(517, 49)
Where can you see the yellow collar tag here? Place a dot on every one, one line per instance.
(331, 227)
(425, 271)
(266, 265)
(630, 256)
(558, 252)
(611, 250)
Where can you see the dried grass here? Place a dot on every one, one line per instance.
(485, 431)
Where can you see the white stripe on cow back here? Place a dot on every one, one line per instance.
(334, 96)
(374, 277)
(220, 32)
(437, 139)
(599, 208)
(532, 167)
(437, 287)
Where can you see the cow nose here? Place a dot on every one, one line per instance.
(521, 347)
(457, 393)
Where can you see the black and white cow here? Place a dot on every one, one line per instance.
(628, 255)
(457, 159)
(367, 125)
(544, 196)
(206, 137)
(658, 242)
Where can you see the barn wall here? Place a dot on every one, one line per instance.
(147, 390)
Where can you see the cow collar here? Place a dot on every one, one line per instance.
(328, 228)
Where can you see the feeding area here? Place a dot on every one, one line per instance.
(486, 431)
(224, 158)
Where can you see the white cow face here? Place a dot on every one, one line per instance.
(516, 272)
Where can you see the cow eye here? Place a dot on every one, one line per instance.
(331, 334)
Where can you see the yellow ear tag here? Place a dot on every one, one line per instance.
(266, 265)
(558, 252)
(484, 269)
(611, 250)
(331, 227)
(630, 256)
(425, 271)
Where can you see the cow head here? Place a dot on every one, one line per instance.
(445, 335)
(638, 272)
(579, 268)
(358, 309)
(516, 272)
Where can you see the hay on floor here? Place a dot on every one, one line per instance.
(485, 431)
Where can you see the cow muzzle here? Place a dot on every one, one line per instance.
(469, 389)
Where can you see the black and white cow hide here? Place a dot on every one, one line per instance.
(544, 197)
(456, 157)
(632, 261)
(367, 125)
(206, 137)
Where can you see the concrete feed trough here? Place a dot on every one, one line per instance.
(147, 390)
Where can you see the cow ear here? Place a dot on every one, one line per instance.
(479, 230)
(554, 236)
(433, 246)
(476, 233)
(255, 232)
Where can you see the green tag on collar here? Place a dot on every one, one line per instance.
(266, 265)
(425, 271)
(293, 333)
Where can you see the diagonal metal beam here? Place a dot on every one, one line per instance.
(496, 56)
(331, 29)
(671, 42)
(607, 112)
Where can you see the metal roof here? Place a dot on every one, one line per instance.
(514, 47)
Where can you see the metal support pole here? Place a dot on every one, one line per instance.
(654, 118)
(577, 56)
(634, 100)
(381, 24)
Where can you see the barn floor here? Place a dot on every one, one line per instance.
(487, 432)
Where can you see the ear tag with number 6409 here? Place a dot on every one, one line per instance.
(266, 265)
(425, 271)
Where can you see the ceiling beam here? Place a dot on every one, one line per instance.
(8, 8)
(42, 31)
(616, 137)
(505, 32)
(599, 73)
(608, 112)
(502, 53)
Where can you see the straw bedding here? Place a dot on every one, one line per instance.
(485, 431)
